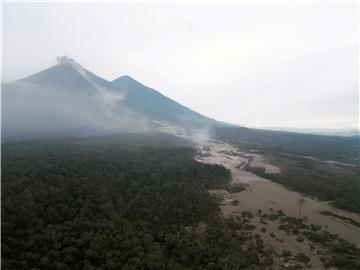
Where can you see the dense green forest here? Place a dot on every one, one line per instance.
(342, 149)
(117, 203)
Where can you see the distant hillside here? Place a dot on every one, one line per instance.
(342, 149)
(117, 142)
(319, 131)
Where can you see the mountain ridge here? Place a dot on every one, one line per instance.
(149, 98)
(68, 93)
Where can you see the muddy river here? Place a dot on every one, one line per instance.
(268, 196)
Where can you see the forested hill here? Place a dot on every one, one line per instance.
(341, 149)
(136, 201)
(116, 142)
(80, 204)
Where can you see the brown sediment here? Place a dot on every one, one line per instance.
(263, 194)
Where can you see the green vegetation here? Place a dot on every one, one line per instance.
(301, 158)
(342, 149)
(99, 203)
(339, 185)
(345, 219)
(333, 250)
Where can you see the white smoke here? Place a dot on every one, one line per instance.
(109, 98)
(198, 135)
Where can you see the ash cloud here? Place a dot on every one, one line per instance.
(109, 98)
(33, 110)
(68, 100)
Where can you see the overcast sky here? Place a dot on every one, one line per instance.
(260, 65)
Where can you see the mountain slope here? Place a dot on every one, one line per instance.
(67, 99)
(61, 76)
(157, 106)
(67, 75)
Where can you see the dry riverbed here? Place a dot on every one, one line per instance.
(263, 197)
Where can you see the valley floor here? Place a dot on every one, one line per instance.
(264, 196)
